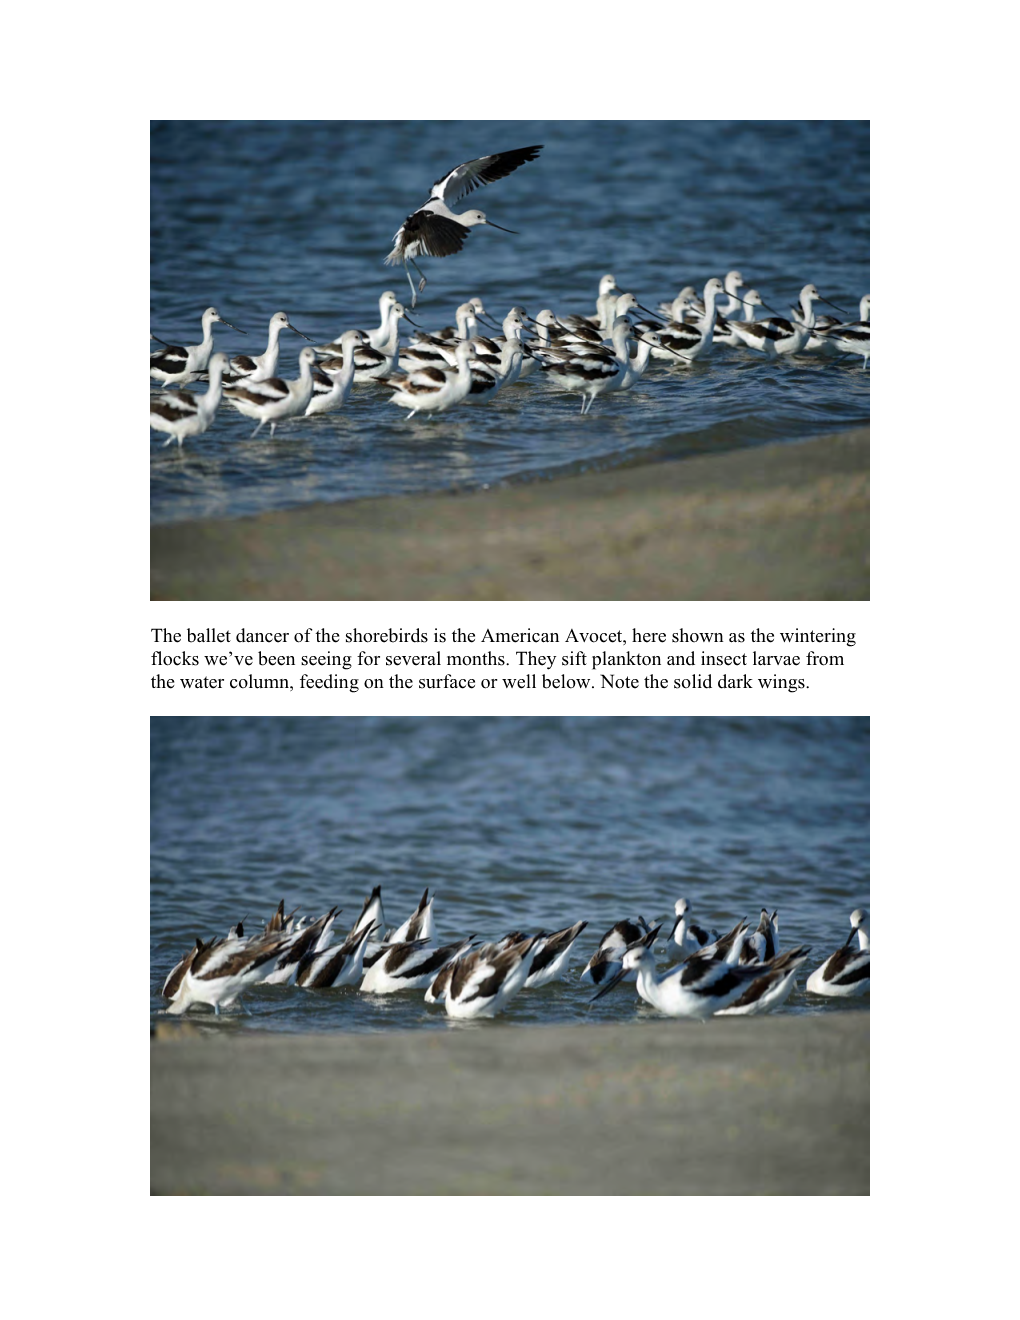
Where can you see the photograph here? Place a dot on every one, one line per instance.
(509, 360)
(510, 956)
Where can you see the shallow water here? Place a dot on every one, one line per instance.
(513, 823)
(258, 217)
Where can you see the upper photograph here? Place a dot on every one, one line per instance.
(520, 360)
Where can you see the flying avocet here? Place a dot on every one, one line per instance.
(434, 230)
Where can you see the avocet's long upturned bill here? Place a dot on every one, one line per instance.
(436, 231)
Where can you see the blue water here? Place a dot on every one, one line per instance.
(257, 217)
(514, 824)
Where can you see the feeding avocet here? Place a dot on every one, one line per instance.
(436, 231)
(409, 966)
(482, 983)
(848, 971)
(696, 988)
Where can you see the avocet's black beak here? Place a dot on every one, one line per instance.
(849, 938)
(832, 304)
(410, 322)
(233, 327)
(654, 315)
(613, 981)
(505, 231)
(300, 332)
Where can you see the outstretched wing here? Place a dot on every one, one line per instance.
(474, 173)
(425, 234)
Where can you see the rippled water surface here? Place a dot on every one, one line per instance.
(253, 218)
(514, 824)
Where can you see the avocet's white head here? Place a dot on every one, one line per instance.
(306, 358)
(860, 917)
(681, 907)
(713, 288)
(386, 301)
(734, 281)
(753, 298)
(211, 314)
(606, 285)
(866, 307)
(809, 294)
(477, 307)
(478, 218)
(626, 303)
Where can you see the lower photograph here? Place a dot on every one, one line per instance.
(510, 956)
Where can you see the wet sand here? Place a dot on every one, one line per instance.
(779, 522)
(738, 1106)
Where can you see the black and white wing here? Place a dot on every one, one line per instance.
(173, 407)
(425, 234)
(474, 173)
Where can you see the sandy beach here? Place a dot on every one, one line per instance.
(778, 522)
(759, 1106)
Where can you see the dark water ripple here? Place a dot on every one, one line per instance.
(255, 217)
(515, 823)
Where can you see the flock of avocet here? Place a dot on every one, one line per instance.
(590, 355)
(741, 972)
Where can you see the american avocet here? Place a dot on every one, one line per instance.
(593, 373)
(254, 369)
(181, 415)
(690, 342)
(854, 336)
(381, 343)
(420, 925)
(760, 944)
(847, 971)
(724, 331)
(409, 966)
(687, 936)
(776, 336)
(681, 306)
(340, 965)
(421, 396)
(222, 969)
(174, 365)
(369, 363)
(606, 959)
(772, 988)
(330, 389)
(483, 983)
(313, 939)
(372, 916)
(436, 231)
(551, 956)
(274, 400)
(696, 988)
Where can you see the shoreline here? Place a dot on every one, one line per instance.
(787, 521)
(737, 1106)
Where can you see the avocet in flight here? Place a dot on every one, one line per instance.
(434, 230)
